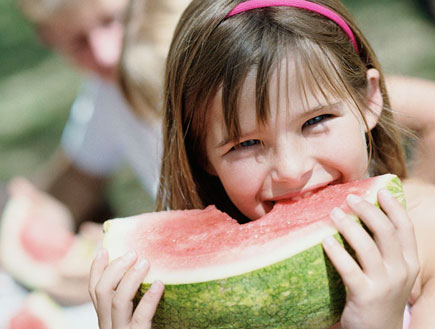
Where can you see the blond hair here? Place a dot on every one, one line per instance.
(40, 11)
(149, 29)
(210, 52)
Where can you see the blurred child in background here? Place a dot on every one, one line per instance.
(102, 131)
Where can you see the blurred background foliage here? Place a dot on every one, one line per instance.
(37, 87)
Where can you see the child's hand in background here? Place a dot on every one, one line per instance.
(379, 286)
(112, 288)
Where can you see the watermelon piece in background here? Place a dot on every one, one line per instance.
(269, 273)
(38, 312)
(35, 242)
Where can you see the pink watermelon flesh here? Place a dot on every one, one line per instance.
(26, 320)
(196, 238)
(45, 242)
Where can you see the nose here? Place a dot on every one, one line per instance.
(292, 164)
(106, 44)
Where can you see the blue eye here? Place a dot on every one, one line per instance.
(316, 120)
(247, 143)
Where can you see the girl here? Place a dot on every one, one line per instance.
(267, 100)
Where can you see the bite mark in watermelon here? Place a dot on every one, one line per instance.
(269, 273)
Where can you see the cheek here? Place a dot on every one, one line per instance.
(343, 150)
(352, 154)
(241, 179)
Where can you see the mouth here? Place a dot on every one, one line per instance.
(300, 195)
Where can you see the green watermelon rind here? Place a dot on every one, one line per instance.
(275, 299)
(395, 187)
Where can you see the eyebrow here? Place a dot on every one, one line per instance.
(310, 112)
(319, 108)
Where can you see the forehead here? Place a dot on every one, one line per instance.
(290, 94)
(290, 86)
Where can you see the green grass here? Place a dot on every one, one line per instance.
(37, 88)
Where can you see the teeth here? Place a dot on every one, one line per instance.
(303, 196)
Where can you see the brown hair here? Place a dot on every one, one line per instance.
(210, 52)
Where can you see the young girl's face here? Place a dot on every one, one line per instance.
(307, 143)
(89, 33)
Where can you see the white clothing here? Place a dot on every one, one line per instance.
(102, 132)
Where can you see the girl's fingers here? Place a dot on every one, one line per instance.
(107, 284)
(346, 266)
(382, 228)
(97, 268)
(360, 241)
(147, 307)
(122, 303)
(404, 227)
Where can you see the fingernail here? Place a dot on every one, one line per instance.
(329, 241)
(100, 253)
(129, 256)
(353, 199)
(337, 214)
(156, 286)
(140, 264)
(385, 193)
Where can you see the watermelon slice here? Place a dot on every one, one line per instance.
(269, 273)
(32, 245)
(38, 312)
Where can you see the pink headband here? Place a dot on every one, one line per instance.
(311, 6)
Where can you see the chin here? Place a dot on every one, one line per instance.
(109, 75)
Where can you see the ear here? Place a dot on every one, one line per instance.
(374, 100)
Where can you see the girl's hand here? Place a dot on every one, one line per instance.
(380, 283)
(112, 288)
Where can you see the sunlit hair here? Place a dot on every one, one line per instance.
(40, 11)
(150, 25)
(209, 52)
